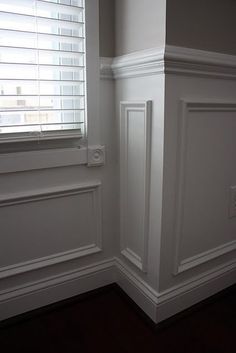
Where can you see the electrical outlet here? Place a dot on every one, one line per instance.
(232, 202)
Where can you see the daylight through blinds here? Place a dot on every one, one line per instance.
(42, 67)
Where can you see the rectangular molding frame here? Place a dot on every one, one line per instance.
(51, 193)
(144, 145)
(196, 260)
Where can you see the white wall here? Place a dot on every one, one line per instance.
(139, 25)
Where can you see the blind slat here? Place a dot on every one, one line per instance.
(42, 9)
(44, 124)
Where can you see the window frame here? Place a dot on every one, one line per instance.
(15, 158)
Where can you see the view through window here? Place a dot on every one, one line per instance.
(42, 68)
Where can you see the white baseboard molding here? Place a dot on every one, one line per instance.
(30, 296)
(158, 306)
(162, 305)
(196, 289)
(136, 288)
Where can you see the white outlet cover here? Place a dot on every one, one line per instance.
(232, 202)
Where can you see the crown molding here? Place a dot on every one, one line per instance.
(169, 60)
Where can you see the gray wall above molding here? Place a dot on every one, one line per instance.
(139, 25)
(107, 27)
(203, 24)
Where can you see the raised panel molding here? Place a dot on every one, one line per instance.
(135, 144)
(94, 188)
(181, 265)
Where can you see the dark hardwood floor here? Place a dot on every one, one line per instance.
(107, 321)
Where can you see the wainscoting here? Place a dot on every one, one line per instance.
(160, 225)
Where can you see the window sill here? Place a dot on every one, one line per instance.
(32, 160)
(92, 156)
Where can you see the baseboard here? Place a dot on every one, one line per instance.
(157, 305)
(162, 305)
(196, 289)
(136, 288)
(40, 293)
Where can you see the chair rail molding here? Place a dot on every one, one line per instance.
(170, 60)
(187, 61)
(106, 72)
(141, 63)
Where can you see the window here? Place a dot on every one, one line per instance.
(43, 79)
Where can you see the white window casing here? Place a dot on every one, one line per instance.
(49, 72)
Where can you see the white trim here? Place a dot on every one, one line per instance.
(171, 60)
(60, 157)
(196, 281)
(48, 290)
(96, 156)
(106, 72)
(180, 60)
(141, 63)
(196, 106)
(52, 193)
(144, 144)
(158, 306)
(53, 158)
(136, 288)
(92, 72)
(43, 159)
(133, 257)
(206, 256)
(161, 305)
(194, 290)
(36, 264)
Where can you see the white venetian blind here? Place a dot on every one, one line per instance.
(42, 68)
